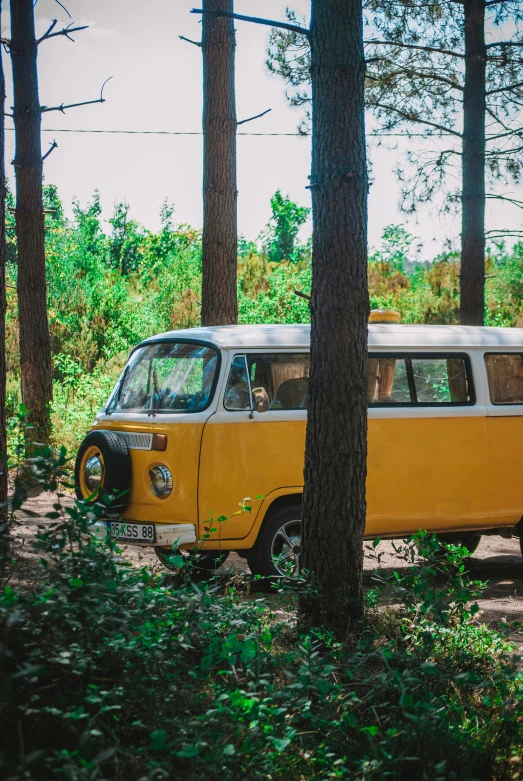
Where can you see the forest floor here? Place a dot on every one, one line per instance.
(497, 560)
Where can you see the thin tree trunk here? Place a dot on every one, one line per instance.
(334, 502)
(3, 306)
(35, 348)
(472, 305)
(220, 196)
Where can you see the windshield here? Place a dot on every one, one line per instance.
(166, 377)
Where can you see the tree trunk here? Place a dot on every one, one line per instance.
(334, 502)
(35, 348)
(220, 196)
(3, 306)
(472, 304)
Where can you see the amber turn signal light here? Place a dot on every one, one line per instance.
(159, 442)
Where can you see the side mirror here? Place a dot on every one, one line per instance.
(261, 402)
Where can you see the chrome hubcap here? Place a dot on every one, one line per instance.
(286, 549)
(93, 472)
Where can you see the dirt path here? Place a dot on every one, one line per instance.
(496, 560)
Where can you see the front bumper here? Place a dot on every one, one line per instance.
(167, 534)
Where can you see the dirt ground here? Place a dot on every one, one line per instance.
(496, 560)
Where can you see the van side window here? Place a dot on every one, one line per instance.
(278, 381)
(505, 378)
(419, 380)
(237, 396)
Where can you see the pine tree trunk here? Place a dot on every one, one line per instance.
(3, 307)
(220, 196)
(334, 502)
(472, 305)
(35, 349)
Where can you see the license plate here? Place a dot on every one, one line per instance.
(133, 532)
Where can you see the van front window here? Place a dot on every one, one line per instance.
(167, 377)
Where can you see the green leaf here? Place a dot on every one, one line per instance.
(188, 752)
(280, 744)
(229, 750)
(158, 739)
(76, 582)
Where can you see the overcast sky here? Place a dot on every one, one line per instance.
(157, 85)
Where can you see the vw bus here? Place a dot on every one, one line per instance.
(202, 418)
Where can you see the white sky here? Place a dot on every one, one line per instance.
(157, 85)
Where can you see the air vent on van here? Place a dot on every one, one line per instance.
(137, 441)
(384, 316)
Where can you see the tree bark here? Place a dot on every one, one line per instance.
(35, 347)
(220, 196)
(3, 308)
(334, 502)
(472, 303)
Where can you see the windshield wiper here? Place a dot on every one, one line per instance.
(155, 390)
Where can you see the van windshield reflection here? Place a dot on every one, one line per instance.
(166, 377)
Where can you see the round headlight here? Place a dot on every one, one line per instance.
(161, 481)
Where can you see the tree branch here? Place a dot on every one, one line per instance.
(294, 28)
(63, 6)
(504, 89)
(518, 132)
(63, 108)
(413, 118)
(243, 121)
(53, 146)
(513, 201)
(301, 295)
(196, 43)
(503, 44)
(65, 31)
(413, 46)
(410, 73)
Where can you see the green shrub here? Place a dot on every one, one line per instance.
(110, 671)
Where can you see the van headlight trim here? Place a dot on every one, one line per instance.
(161, 481)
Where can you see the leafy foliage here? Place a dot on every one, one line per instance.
(113, 283)
(109, 671)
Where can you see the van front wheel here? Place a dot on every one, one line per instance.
(277, 551)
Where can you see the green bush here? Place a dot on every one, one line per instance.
(111, 671)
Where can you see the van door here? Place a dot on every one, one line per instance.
(504, 388)
(252, 452)
(427, 445)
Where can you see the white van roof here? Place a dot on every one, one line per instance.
(380, 336)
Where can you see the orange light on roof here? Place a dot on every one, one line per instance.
(384, 316)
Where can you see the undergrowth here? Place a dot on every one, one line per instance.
(109, 671)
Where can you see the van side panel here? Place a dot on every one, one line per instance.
(426, 472)
(243, 458)
(505, 440)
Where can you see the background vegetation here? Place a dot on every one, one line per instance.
(112, 282)
(115, 672)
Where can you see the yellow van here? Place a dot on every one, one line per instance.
(200, 419)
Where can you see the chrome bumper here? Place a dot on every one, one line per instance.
(166, 534)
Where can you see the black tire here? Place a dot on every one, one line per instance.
(203, 563)
(468, 540)
(270, 542)
(117, 471)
